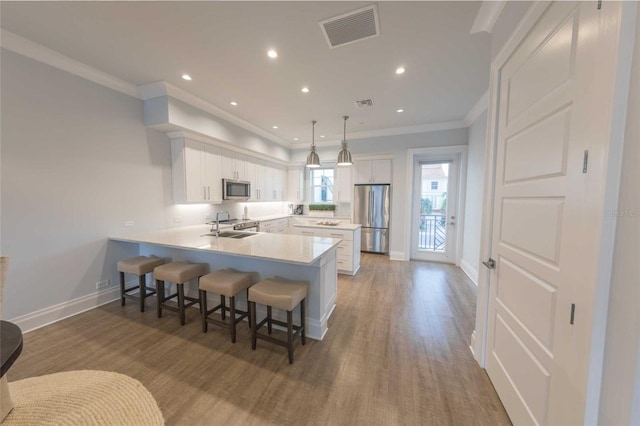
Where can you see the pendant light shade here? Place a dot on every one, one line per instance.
(313, 159)
(344, 156)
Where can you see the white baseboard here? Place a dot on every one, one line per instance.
(471, 272)
(46, 316)
(396, 255)
(473, 343)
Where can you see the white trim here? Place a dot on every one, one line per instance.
(462, 176)
(487, 16)
(397, 255)
(481, 106)
(162, 88)
(469, 270)
(37, 52)
(385, 156)
(617, 126)
(482, 304)
(391, 131)
(180, 134)
(55, 313)
(473, 343)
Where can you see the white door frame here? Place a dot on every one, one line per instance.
(612, 184)
(437, 153)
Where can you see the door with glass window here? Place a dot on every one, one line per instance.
(433, 235)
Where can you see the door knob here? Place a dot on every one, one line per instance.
(490, 264)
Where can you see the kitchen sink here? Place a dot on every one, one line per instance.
(228, 234)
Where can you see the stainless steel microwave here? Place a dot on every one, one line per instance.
(235, 190)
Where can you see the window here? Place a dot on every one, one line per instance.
(321, 185)
(434, 185)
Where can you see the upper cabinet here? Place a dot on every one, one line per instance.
(295, 191)
(234, 165)
(344, 186)
(372, 171)
(195, 172)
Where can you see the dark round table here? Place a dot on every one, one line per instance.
(10, 344)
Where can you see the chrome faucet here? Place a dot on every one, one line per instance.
(217, 230)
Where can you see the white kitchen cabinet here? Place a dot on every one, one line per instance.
(295, 191)
(195, 172)
(279, 183)
(234, 165)
(348, 254)
(278, 226)
(344, 187)
(372, 171)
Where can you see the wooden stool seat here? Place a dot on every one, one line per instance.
(226, 283)
(140, 266)
(177, 273)
(280, 294)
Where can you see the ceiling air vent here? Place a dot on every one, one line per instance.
(359, 24)
(365, 103)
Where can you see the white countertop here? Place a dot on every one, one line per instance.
(271, 246)
(341, 226)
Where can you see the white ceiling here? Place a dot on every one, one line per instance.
(223, 46)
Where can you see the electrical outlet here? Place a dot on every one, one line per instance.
(103, 284)
(129, 223)
(177, 219)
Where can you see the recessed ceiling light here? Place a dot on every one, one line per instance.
(234, 103)
(295, 139)
(322, 136)
(400, 70)
(305, 90)
(275, 127)
(400, 110)
(186, 77)
(272, 53)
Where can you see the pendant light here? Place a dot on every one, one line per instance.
(344, 156)
(313, 160)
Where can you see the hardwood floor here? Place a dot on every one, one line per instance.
(397, 352)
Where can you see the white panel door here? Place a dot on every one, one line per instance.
(554, 103)
(212, 173)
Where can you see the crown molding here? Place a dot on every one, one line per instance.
(487, 16)
(392, 131)
(180, 134)
(37, 52)
(162, 88)
(481, 106)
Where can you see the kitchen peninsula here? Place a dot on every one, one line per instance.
(287, 256)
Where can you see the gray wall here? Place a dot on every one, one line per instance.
(76, 162)
(475, 192)
(509, 19)
(620, 403)
(396, 147)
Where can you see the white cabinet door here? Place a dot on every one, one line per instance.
(211, 173)
(381, 171)
(362, 171)
(234, 165)
(294, 186)
(280, 183)
(195, 188)
(372, 171)
(344, 188)
(195, 172)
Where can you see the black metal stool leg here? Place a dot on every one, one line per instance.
(159, 297)
(268, 319)
(290, 335)
(232, 318)
(203, 309)
(122, 289)
(252, 314)
(223, 308)
(181, 303)
(142, 284)
(303, 318)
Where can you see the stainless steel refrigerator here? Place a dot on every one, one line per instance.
(372, 207)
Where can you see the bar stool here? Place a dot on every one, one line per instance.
(280, 294)
(226, 283)
(140, 266)
(177, 273)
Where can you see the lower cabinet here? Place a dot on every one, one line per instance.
(348, 256)
(278, 226)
